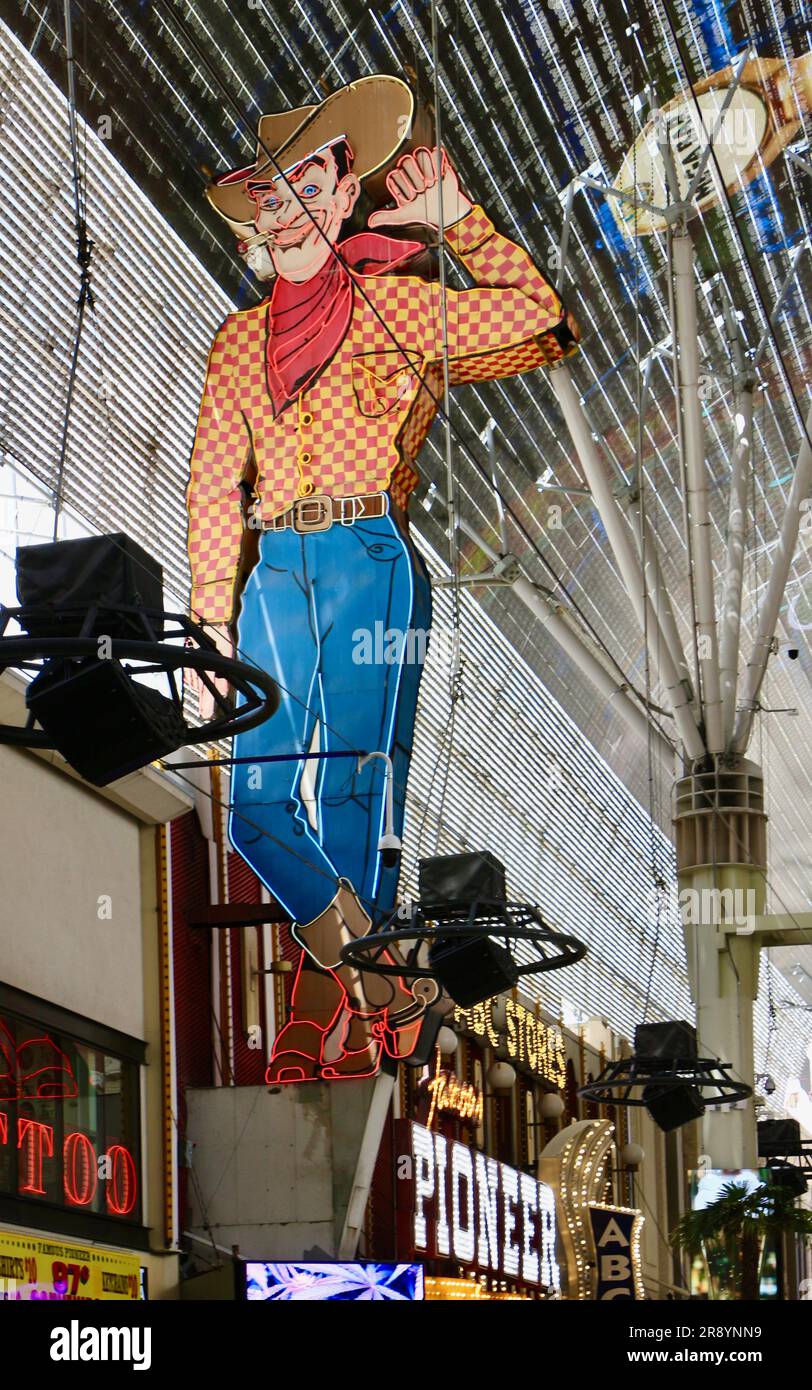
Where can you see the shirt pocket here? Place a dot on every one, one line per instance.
(383, 382)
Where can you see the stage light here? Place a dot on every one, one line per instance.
(95, 637)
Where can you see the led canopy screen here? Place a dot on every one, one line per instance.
(308, 1283)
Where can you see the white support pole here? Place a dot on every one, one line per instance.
(365, 1166)
(686, 337)
(623, 549)
(647, 547)
(782, 557)
(730, 620)
(553, 617)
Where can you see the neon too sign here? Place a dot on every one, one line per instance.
(82, 1168)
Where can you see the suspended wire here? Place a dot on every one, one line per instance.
(84, 252)
(455, 697)
(657, 880)
(452, 486)
(450, 471)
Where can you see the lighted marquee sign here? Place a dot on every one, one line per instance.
(530, 1041)
(616, 1236)
(600, 1243)
(467, 1207)
(468, 1291)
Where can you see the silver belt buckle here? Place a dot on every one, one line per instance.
(312, 514)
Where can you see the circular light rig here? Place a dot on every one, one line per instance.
(642, 1080)
(473, 955)
(87, 696)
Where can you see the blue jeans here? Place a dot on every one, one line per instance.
(315, 612)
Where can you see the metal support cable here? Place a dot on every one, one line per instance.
(84, 250)
(451, 480)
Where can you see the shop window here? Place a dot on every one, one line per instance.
(69, 1123)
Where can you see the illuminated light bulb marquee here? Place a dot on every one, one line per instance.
(616, 1234)
(601, 1243)
(477, 1211)
(528, 1040)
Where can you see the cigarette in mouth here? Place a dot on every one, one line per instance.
(260, 239)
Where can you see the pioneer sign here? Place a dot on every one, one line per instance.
(458, 1204)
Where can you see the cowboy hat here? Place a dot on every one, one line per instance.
(374, 115)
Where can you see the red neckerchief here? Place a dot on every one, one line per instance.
(308, 321)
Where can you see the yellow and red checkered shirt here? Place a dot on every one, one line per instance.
(359, 427)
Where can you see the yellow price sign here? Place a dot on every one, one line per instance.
(34, 1267)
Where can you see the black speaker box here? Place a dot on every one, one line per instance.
(472, 968)
(103, 722)
(666, 1040)
(779, 1137)
(73, 575)
(674, 1105)
(788, 1175)
(450, 883)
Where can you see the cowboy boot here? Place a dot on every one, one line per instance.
(317, 1004)
(393, 1010)
(380, 1000)
(354, 1046)
(324, 937)
(351, 1050)
(376, 992)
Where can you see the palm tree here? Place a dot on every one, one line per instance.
(730, 1231)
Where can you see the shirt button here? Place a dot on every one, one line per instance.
(306, 419)
(304, 459)
(305, 488)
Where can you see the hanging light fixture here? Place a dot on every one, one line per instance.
(95, 637)
(666, 1076)
(551, 1106)
(631, 1156)
(447, 1041)
(501, 1077)
(463, 933)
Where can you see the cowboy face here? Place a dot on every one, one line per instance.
(301, 214)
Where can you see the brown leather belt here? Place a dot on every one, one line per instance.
(317, 513)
